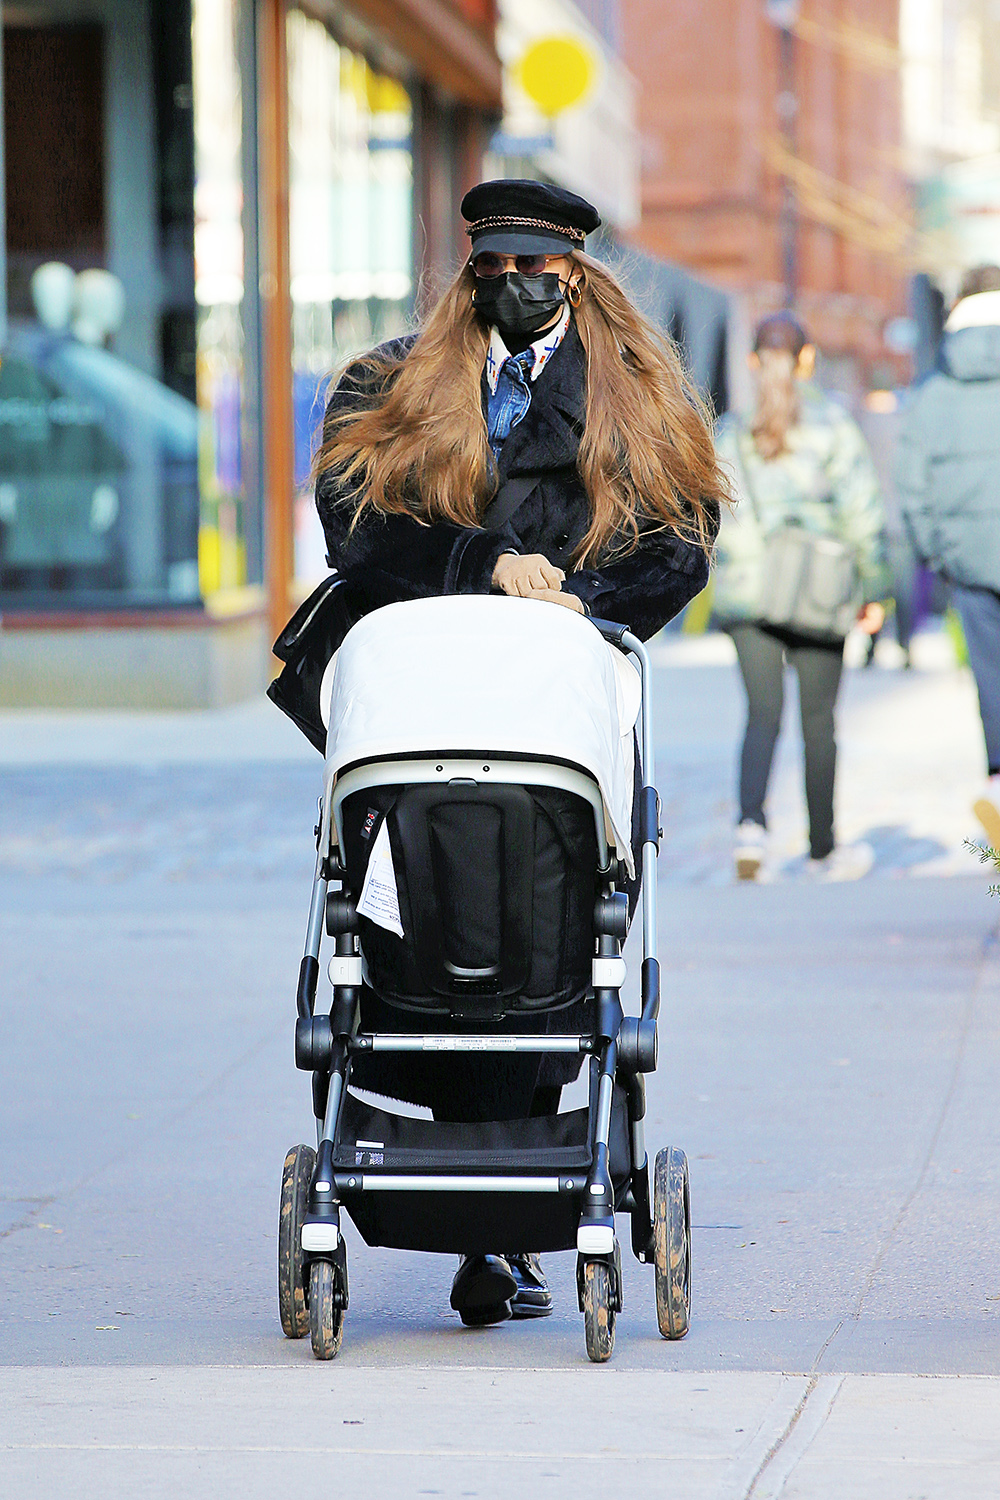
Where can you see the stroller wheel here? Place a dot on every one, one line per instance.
(672, 1242)
(295, 1179)
(326, 1319)
(598, 1310)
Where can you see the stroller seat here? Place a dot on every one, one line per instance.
(495, 886)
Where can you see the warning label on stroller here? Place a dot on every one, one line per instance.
(379, 900)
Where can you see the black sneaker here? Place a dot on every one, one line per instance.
(532, 1298)
(482, 1289)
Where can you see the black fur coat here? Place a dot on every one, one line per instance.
(390, 558)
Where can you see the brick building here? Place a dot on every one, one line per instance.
(749, 150)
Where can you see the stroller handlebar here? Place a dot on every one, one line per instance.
(611, 632)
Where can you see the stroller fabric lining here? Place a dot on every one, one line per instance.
(496, 893)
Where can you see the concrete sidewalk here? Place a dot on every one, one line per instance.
(830, 1061)
(491, 1433)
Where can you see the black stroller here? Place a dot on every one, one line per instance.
(474, 855)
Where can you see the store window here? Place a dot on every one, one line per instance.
(351, 235)
(219, 294)
(122, 427)
(98, 425)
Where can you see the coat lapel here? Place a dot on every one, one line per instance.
(548, 435)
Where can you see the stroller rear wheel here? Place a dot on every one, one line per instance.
(600, 1301)
(295, 1179)
(326, 1318)
(672, 1242)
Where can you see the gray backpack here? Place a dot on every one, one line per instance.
(811, 583)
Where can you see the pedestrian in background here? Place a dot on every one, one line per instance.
(809, 507)
(949, 482)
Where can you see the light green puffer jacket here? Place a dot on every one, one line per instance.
(948, 469)
(825, 482)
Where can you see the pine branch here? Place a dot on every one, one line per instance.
(987, 856)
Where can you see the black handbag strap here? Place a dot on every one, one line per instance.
(296, 631)
(508, 499)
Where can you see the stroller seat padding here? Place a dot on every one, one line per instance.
(496, 888)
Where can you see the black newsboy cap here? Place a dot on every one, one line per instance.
(515, 216)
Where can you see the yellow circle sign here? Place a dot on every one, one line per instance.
(556, 72)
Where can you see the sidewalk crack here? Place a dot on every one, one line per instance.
(802, 1428)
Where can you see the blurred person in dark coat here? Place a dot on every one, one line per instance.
(949, 484)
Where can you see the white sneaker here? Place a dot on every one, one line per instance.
(846, 862)
(987, 810)
(751, 844)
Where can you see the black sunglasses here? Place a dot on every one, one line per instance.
(487, 264)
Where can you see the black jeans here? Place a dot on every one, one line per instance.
(980, 612)
(762, 658)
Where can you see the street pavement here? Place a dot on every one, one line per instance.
(830, 1060)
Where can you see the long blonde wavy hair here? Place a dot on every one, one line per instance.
(778, 345)
(646, 456)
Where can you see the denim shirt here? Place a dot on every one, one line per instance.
(509, 378)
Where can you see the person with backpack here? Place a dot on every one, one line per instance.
(798, 561)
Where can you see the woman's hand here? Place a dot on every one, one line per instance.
(526, 577)
(556, 596)
(533, 577)
(871, 618)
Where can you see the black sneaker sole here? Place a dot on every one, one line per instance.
(485, 1317)
(519, 1308)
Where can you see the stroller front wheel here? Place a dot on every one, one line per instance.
(326, 1319)
(672, 1242)
(598, 1309)
(295, 1179)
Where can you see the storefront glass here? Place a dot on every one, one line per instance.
(98, 427)
(351, 209)
(121, 434)
(219, 293)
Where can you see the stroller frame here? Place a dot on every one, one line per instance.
(312, 1270)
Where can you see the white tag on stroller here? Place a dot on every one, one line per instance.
(379, 900)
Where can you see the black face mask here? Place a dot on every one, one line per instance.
(519, 304)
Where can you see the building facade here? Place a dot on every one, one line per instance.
(772, 163)
(951, 132)
(592, 146)
(207, 206)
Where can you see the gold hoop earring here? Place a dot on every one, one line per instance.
(574, 292)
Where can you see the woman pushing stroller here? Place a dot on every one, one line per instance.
(537, 437)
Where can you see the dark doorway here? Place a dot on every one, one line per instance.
(54, 150)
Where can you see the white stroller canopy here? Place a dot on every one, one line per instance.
(474, 673)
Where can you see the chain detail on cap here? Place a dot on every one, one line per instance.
(507, 221)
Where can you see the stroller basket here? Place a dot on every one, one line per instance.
(551, 1154)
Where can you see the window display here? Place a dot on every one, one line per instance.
(98, 434)
(350, 207)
